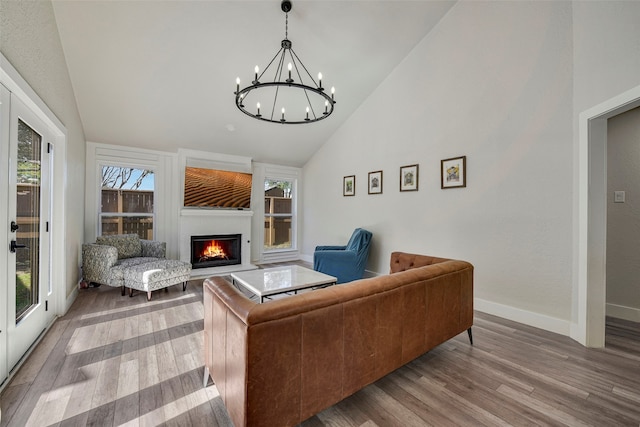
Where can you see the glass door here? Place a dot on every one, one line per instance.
(29, 289)
(4, 232)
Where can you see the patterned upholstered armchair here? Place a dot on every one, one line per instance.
(346, 263)
(106, 260)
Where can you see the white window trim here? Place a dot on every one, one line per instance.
(163, 166)
(262, 171)
(101, 214)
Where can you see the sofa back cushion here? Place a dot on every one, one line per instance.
(401, 261)
(128, 245)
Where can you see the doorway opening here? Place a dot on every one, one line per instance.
(592, 216)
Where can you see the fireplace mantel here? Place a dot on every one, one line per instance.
(215, 212)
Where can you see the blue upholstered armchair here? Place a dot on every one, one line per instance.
(346, 263)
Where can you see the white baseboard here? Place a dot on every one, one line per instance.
(548, 323)
(307, 258)
(622, 312)
(70, 299)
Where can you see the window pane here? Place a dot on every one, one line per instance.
(28, 219)
(130, 201)
(140, 225)
(127, 190)
(277, 197)
(278, 210)
(277, 232)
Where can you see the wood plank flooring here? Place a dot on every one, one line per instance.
(120, 361)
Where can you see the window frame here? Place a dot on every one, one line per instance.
(293, 215)
(101, 215)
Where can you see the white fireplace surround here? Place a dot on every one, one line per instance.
(206, 221)
(197, 222)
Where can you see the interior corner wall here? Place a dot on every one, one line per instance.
(606, 60)
(493, 82)
(29, 40)
(623, 218)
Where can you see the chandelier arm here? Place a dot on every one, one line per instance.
(280, 68)
(273, 107)
(310, 105)
(306, 94)
(270, 62)
(305, 68)
(295, 65)
(278, 76)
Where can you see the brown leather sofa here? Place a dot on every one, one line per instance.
(281, 362)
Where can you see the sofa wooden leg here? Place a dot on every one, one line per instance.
(470, 336)
(130, 292)
(124, 290)
(149, 296)
(184, 286)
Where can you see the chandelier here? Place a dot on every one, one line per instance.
(293, 97)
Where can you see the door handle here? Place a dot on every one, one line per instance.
(13, 246)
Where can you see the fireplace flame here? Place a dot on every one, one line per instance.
(214, 250)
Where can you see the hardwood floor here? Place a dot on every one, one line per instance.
(116, 360)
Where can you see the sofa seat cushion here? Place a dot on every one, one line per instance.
(116, 273)
(128, 245)
(158, 274)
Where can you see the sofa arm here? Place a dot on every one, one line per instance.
(152, 248)
(97, 260)
(330, 248)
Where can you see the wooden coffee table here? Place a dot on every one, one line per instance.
(279, 280)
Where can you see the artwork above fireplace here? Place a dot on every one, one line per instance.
(216, 250)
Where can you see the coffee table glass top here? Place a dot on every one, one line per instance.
(271, 281)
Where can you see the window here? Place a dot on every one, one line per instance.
(126, 201)
(279, 226)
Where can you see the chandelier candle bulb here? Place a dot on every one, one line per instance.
(289, 70)
(258, 105)
(326, 105)
(333, 91)
(307, 118)
(320, 81)
(237, 84)
(256, 70)
(282, 114)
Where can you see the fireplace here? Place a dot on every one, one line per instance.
(215, 250)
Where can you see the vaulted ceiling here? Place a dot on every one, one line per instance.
(161, 74)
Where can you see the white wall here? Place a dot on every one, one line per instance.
(606, 50)
(606, 60)
(30, 42)
(623, 219)
(493, 81)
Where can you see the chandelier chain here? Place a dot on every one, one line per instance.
(286, 26)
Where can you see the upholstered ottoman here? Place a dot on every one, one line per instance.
(155, 275)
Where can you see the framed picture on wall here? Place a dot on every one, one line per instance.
(375, 182)
(349, 185)
(409, 178)
(453, 172)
